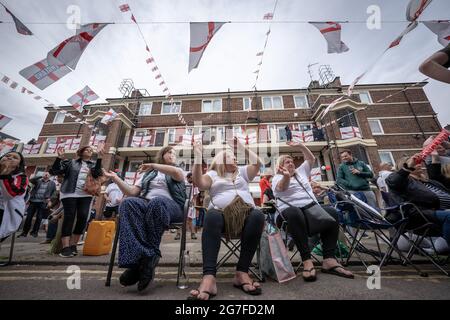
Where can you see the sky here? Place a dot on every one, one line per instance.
(229, 61)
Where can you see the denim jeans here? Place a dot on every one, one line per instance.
(444, 217)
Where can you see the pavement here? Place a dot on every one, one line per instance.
(33, 269)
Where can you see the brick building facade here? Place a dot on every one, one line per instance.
(380, 122)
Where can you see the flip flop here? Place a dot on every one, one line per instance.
(333, 271)
(255, 292)
(210, 295)
(311, 278)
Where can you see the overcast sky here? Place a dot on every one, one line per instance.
(118, 52)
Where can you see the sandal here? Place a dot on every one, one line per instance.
(210, 295)
(311, 277)
(333, 271)
(255, 292)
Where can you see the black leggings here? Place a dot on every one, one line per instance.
(213, 228)
(296, 227)
(78, 207)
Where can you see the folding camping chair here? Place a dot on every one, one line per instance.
(181, 263)
(354, 214)
(11, 251)
(421, 228)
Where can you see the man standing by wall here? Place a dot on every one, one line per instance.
(353, 176)
(40, 195)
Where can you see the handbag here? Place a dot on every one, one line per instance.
(234, 215)
(93, 186)
(317, 219)
(274, 258)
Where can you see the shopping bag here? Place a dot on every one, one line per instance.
(275, 262)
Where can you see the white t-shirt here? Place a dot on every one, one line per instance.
(158, 187)
(223, 191)
(295, 194)
(114, 195)
(81, 181)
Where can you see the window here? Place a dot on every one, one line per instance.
(247, 104)
(386, 156)
(281, 131)
(359, 153)
(365, 97)
(145, 109)
(376, 127)
(170, 108)
(159, 138)
(134, 166)
(59, 118)
(301, 102)
(214, 105)
(301, 127)
(346, 118)
(272, 103)
(51, 140)
(171, 133)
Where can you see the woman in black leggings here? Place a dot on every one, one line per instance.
(225, 180)
(75, 200)
(291, 186)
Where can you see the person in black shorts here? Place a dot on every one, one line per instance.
(437, 65)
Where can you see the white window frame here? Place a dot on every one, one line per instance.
(212, 105)
(379, 124)
(249, 99)
(368, 95)
(306, 99)
(271, 100)
(48, 142)
(390, 156)
(169, 132)
(171, 107)
(59, 120)
(139, 162)
(144, 131)
(146, 104)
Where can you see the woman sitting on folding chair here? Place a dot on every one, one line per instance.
(294, 198)
(13, 187)
(153, 203)
(228, 185)
(410, 183)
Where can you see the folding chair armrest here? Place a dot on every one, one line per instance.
(406, 204)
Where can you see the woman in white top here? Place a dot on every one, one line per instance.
(219, 182)
(153, 203)
(297, 196)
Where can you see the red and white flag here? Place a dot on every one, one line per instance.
(441, 29)
(72, 144)
(20, 27)
(7, 145)
(82, 97)
(42, 74)
(5, 79)
(70, 50)
(109, 116)
(158, 76)
(259, 54)
(302, 136)
(268, 16)
(133, 18)
(189, 139)
(408, 29)
(247, 138)
(332, 34)
(53, 147)
(415, 9)
(124, 7)
(13, 84)
(4, 120)
(155, 68)
(201, 35)
(132, 177)
(141, 141)
(150, 60)
(31, 148)
(95, 139)
(350, 132)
